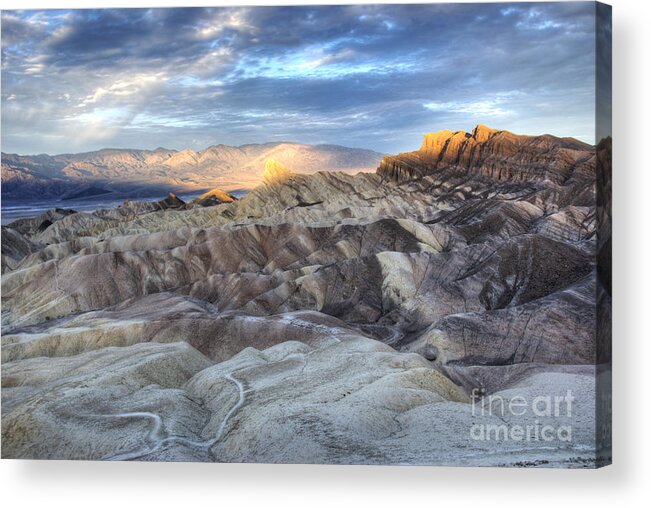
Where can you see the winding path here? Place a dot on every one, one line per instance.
(155, 435)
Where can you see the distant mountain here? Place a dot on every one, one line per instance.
(144, 172)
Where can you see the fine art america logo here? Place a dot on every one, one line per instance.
(542, 418)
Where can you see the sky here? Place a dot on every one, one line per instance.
(369, 76)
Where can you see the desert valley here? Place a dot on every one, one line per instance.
(347, 309)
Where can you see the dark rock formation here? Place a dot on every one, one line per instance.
(171, 201)
(214, 197)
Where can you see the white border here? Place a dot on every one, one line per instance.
(71, 484)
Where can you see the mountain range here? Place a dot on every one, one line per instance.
(151, 172)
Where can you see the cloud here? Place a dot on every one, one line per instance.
(375, 76)
(327, 59)
(494, 107)
(123, 88)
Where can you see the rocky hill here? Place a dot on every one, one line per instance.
(323, 317)
(143, 172)
(501, 155)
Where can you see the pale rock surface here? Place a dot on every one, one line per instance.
(349, 400)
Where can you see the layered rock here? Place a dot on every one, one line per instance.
(500, 155)
(15, 247)
(327, 317)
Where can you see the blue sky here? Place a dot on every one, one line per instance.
(371, 76)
